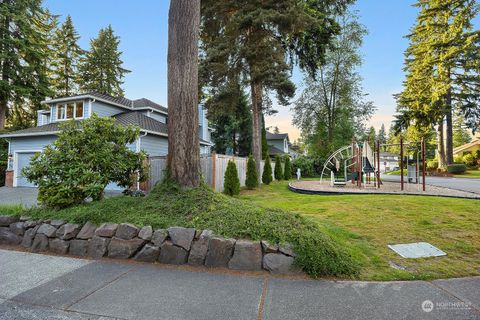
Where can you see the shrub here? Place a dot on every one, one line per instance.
(231, 185)
(251, 181)
(83, 160)
(432, 164)
(469, 160)
(267, 171)
(458, 159)
(287, 173)
(278, 168)
(456, 168)
(306, 166)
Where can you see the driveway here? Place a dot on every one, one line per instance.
(463, 184)
(35, 286)
(27, 197)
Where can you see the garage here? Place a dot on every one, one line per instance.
(22, 160)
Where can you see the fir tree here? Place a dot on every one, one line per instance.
(264, 144)
(382, 135)
(65, 74)
(231, 185)
(278, 168)
(267, 171)
(251, 181)
(287, 172)
(102, 68)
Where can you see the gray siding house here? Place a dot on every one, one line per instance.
(149, 116)
(277, 144)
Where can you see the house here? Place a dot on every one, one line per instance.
(472, 147)
(277, 144)
(389, 162)
(151, 117)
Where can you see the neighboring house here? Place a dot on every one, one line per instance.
(277, 144)
(471, 147)
(294, 150)
(149, 116)
(389, 162)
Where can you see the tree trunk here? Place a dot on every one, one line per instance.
(256, 89)
(441, 148)
(449, 128)
(3, 113)
(183, 141)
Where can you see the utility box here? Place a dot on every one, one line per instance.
(412, 174)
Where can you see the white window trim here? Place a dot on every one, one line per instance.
(15, 164)
(64, 104)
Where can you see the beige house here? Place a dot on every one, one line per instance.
(471, 147)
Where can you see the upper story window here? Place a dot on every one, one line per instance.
(70, 110)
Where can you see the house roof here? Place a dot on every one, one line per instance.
(274, 151)
(121, 101)
(276, 136)
(141, 120)
(466, 146)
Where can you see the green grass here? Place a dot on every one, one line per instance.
(366, 224)
(470, 173)
(202, 208)
(397, 172)
(11, 209)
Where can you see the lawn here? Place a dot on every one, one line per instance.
(365, 224)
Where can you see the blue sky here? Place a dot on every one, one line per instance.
(142, 27)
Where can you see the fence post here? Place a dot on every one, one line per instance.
(214, 170)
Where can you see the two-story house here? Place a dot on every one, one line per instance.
(277, 144)
(149, 116)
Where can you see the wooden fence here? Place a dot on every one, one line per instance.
(213, 169)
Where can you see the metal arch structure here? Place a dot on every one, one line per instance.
(335, 156)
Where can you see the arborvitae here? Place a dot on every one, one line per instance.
(278, 168)
(65, 74)
(267, 171)
(264, 143)
(231, 184)
(287, 172)
(252, 178)
(102, 70)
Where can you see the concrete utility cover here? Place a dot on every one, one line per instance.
(417, 250)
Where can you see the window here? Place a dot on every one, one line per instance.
(70, 110)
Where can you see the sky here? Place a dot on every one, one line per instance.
(142, 28)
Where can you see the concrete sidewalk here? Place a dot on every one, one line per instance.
(34, 286)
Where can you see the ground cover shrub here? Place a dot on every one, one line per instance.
(278, 168)
(457, 168)
(231, 184)
(251, 181)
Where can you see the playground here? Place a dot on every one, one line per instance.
(355, 169)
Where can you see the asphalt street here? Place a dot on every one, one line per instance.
(463, 184)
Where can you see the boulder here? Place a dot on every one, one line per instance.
(8, 237)
(47, 230)
(106, 230)
(181, 237)
(6, 221)
(146, 233)
(87, 231)
(78, 247)
(40, 243)
(287, 249)
(97, 247)
(277, 263)
(124, 249)
(126, 231)
(25, 218)
(29, 236)
(58, 246)
(159, 237)
(68, 231)
(149, 253)
(199, 248)
(219, 252)
(171, 254)
(268, 247)
(18, 228)
(57, 223)
(31, 223)
(247, 255)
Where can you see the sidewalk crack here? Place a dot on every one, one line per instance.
(263, 297)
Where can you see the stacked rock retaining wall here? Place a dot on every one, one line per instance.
(175, 245)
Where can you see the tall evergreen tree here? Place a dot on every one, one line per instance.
(287, 171)
(102, 69)
(267, 171)
(67, 55)
(24, 52)
(382, 135)
(278, 171)
(461, 135)
(264, 143)
(251, 181)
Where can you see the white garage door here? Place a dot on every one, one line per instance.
(23, 160)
